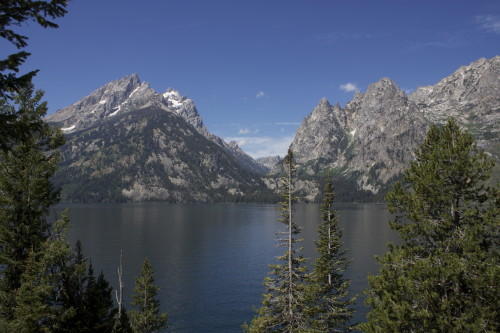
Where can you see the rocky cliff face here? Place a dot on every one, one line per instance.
(322, 135)
(269, 162)
(372, 139)
(385, 129)
(472, 95)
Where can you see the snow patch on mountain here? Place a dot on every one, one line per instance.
(66, 129)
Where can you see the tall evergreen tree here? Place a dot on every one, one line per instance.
(41, 279)
(31, 310)
(445, 276)
(329, 307)
(34, 303)
(84, 303)
(26, 193)
(283, 303)
(38, 267)
(98, 312)
(147, 318)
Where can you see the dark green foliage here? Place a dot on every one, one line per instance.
(445, 275)
(147, 318)
(43, 285)
(97, 311)
(26, 193)
(329, 308)
(283, 303)
(122, 323)
(31, 311)
(88, 299)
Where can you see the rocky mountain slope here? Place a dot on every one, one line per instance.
(268, 162)
(472, 95)
(125, 142)
(129, 94)
(369, 142)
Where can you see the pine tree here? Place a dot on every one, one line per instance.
(147, 318)
(38, 267)
(98, 311)
(89, 300)
(26, 193)
(445, 275)
(32, 312)
(283, 303)
(34, 303)
(122, 323)
(329, 308)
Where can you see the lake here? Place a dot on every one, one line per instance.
(211, 259)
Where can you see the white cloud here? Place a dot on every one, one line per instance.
(263, 146)
(261, 94)
(489, 23)
(348, 87)
(243, 131)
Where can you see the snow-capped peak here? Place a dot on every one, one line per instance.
(173, 98)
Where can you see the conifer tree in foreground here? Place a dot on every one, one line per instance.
(26, 193)
(283, 303)
(147, 319)
(42, 279)
(97, 312)
(329, 307)
(445, 277)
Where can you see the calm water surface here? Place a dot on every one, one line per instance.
(210, 260)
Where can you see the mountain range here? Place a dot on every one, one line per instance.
(370, 141)
(126, 142)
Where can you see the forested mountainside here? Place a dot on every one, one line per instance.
(148, 155)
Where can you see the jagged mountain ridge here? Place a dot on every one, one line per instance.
(129, 94)
(471, 94)
(373, 138)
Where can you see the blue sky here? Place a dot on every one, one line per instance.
(256, 69)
